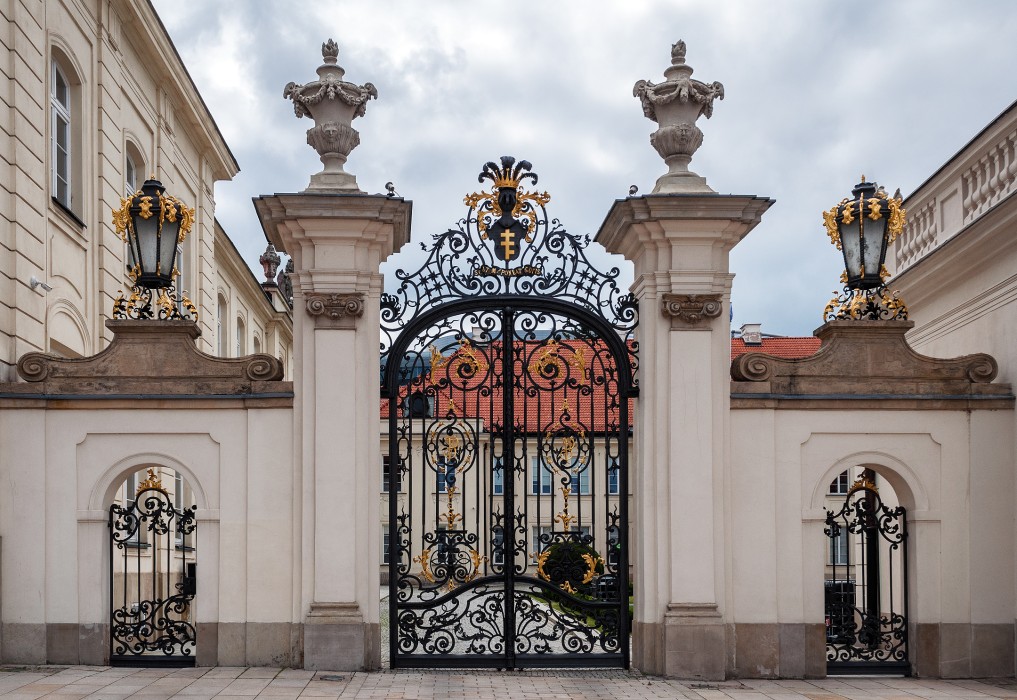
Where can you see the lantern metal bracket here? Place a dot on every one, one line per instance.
(879, 304)
(146, 304)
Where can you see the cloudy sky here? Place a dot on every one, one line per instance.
(817, 93)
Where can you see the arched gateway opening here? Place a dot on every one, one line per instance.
(508, 370)
(866, 582)
(153, 570)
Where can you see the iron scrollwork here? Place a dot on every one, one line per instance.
(866, 598)
(151, 604)
(508, 423)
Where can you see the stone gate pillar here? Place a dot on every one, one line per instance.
(337, 236)
(679, 245)
(679, 238)
(337, 242)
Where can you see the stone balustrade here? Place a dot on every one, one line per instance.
(982, 175)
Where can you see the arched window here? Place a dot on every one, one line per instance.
(130, 175)
(257, 344)
(61, 124)
(241, 338)
(220, 328)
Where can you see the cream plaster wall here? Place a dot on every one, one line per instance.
(129, 87)
(53, 515)
(945, 468)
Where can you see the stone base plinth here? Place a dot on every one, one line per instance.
(336, 638)
(335, 182)
(682, 183)
(690, 643)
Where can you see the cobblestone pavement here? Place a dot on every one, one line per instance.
(65, 683)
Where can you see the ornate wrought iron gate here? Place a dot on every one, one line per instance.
(152, 578)
(867, 594)
(508, 368)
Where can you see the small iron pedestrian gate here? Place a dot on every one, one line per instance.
(508, 368)
(152, 578)
(867, 595)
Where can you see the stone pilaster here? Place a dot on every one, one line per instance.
(679, 245)
(337, 243)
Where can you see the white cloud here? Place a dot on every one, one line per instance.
(817, 93)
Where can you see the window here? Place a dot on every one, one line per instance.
(130, 176)
(540, 478)
(139, 538)
(497, 477)
(613, 469)
(536, 546)
(446, 475)
(181, 499)
(60, 125)
(839, 548)
(384, 544)
(385, 468)
(257, 344)
(219, 328)
(840, 485)
(241, 338)
(581, 483)
(498, 546)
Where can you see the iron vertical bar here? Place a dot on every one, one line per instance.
(394, 478)
(623, 526)
(508, 441)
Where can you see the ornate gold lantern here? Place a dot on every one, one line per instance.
(862, 227)
(153, 224)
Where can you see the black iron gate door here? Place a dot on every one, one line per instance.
(508, 374)
(866, 592)
(152, 576)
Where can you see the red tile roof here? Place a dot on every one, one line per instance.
(789, 347)
(586, 405)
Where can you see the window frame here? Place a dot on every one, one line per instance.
(538, 470)
(840, 549)
(840, 485)
(61, 110)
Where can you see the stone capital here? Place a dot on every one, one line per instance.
(690, 309)
(334, 310)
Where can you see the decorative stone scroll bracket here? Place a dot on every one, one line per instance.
(690, 309)
(866, 361)
(335, 310)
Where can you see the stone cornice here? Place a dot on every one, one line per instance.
(865, 360)
(289, 219)
(334, 310)
(740, 214)
(690, 309)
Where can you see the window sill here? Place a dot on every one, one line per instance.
(68, 213)
(184, 548)
(137, 545)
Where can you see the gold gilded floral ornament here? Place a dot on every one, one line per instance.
(592, 563)
(152, 483)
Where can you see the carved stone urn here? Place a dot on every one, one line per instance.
(675, 105)
(333, 104)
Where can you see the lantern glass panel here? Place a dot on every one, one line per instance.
(872, 255)
(851, 244)
(147, 231)
(168, 247)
